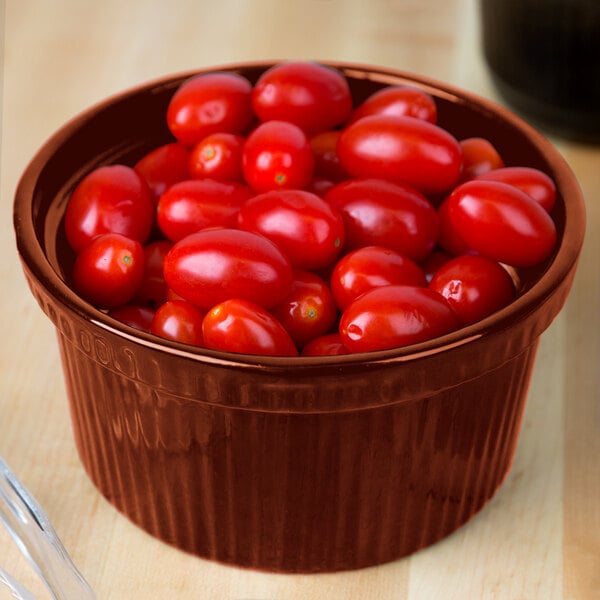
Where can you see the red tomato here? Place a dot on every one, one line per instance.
(218, 156)
(401, 149)
(209, 103)
(479, 156)
(475, 286)
(533, 182)
(395, 315)
(195, 204)
(180, 321)
(109, 270)
(398, 101)
(277, 155)
(501, 222)
(308, 311)
(325, 345)
(327, 161)
(371, 266)
(213, 265)
(240, 326)
(110, 199)
(153, 288)
(377, 212)
(448, 238)
(164, 166)
(139, 317)
(308, 230)
(314, 97)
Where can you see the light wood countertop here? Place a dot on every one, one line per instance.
(539, 538)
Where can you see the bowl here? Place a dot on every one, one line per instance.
(292, 465)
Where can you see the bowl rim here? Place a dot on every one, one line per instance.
(563, 260)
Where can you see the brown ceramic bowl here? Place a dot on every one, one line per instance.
(290, 464)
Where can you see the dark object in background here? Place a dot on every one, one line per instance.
(544, 56)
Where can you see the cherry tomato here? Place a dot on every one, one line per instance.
(501, 222)
(277, 155)
(308, 230)
(139, 317)
(153, 288)
(479, 156)
(218, 156)
(329, 344)
(371, 266)
(109, 199)
(377, 212)
(475, 286)
(395, 315)
(327, 161)
(180, 321)
(401, 149)
(209, 103)
(308, 311)
(195, 204)
(533, 182)
(213, 265)
(109, 270)
(398, 101)
(164, 166)
(314, 97)
(237, 325)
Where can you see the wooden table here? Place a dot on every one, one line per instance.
(540, 536)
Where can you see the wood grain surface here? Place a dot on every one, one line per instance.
(539, 538)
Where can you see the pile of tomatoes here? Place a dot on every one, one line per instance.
(282, 219)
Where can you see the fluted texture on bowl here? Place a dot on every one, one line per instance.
(290, 491)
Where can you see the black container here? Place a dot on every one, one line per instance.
(544, 57)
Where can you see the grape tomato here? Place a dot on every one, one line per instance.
(283, 217)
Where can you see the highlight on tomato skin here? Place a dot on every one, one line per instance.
(401, 149)
(180, 321)
(533, 182)
(213, 265)
(313, 96)
(309, 310)
(237, 325)
(109, 270)
(210, 103)
(395, 315)
(195, 204)
(474, 286)
(397, 101)
(307, 229)
(277, 155)
(499, 221)
(109, 199)
(368, 267)
(378, 212)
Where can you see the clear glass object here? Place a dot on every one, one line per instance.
(36, 538)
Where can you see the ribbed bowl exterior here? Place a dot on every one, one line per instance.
(306, 490)
(295, 492)
(282, 464)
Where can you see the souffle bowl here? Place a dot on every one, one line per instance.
(291, 464)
